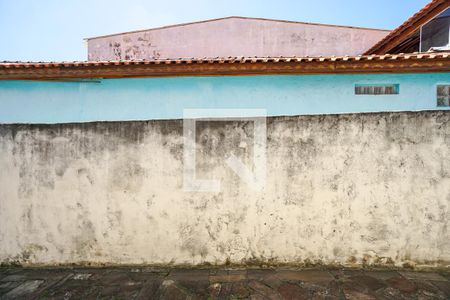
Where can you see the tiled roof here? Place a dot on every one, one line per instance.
(411, 62)
(228, 60)
(413, 23)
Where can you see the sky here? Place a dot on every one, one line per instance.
(51, 30)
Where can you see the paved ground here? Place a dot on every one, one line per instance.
(151, 283)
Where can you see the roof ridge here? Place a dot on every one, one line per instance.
(233, 17)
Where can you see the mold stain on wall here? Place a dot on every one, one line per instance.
(356, 189)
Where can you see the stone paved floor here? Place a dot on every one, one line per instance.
(151, 283)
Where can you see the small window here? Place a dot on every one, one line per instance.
(443, 95)
(378, 89)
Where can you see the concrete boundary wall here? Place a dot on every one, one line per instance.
(351, 189)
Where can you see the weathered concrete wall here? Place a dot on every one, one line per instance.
(235, 36)
(341, 189)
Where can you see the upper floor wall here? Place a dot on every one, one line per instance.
(235, 36)
(166, 98)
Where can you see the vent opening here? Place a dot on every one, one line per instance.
(377, 89)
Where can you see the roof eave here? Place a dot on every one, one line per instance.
(402, 63)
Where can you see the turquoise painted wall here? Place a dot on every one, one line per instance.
(165, 98)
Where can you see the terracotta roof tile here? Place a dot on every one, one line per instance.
(221, 60)
(393, 63)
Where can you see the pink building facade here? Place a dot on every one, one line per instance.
(235, 36)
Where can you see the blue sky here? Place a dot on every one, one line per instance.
(50, 30)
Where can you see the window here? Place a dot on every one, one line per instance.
(377, 89)
(435, 34)
(443, 95)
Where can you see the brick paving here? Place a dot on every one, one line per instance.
(156, 283)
